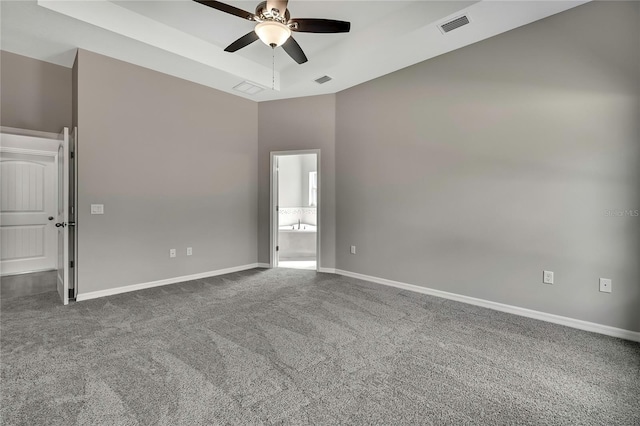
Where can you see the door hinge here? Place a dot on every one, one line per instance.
(277, 248)
(277, 208)
(71, 154)
(71, 264)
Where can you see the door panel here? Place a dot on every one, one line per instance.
(22, 186)
(22, 242)
(28, 237)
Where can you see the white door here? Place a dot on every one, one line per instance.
(27, 212)
(73, 190)
(63, 217)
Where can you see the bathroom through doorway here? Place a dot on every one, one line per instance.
(295, 202)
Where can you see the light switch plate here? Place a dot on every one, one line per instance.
(605, 285)
(547, 277)
(97, 208)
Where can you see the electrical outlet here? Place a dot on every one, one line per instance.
(189, 251)
(97, 208)
(605, 285)
(353, 249)
(547, 277)
(172, 253)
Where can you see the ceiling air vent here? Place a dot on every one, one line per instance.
(248, 88)
(455, 23)
(323, 79)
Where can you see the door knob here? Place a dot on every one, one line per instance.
(50, 217)
(58, 225)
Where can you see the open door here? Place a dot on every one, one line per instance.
(73, 235)
(63, 216)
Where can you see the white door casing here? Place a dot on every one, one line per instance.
(275, 223)
(274, 201)
(63, 216)
(27, 201)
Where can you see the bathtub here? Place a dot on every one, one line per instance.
(303, 227)
(297, 244)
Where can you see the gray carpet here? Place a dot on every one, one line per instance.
(297, 347)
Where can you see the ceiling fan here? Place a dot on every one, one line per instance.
(275, 26)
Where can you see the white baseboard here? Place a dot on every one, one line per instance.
(543, 316)
(135, 287)
(263, 265)
(327, 270)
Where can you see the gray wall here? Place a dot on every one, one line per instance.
(175, 165)
(35, 95)
(474, 171)
(297, 124)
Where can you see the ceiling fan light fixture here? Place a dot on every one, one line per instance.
(273, 33)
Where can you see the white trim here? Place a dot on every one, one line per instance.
(273, 201)
(159, 283)
(33, 133)
(327, 270)
(25, 151)
(264, 265)
(543, 316)
(74, 205)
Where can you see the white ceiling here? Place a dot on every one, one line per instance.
(187, 40)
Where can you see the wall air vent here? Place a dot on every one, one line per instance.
(455, 23)
(323, 79)
(248, 88)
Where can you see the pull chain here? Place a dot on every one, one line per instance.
(273, 68)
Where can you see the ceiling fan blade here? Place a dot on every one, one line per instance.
(243, 41)
(320, 26)
(228, 9)
(295, 51)
(281, 5)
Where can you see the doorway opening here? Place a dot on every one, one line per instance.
(295, 209)
(36, 254)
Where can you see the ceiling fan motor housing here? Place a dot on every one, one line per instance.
(272, 15)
